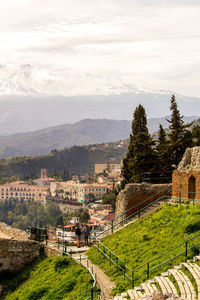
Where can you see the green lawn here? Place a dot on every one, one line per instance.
(48, 278)
(148, 238)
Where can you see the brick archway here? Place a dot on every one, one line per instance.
(192, 187)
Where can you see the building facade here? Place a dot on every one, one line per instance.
(82, 192)
(22, 191)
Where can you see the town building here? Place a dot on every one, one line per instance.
(82, 192)
(114, 169)
(21, 191)
(186, 179)
(44, 179)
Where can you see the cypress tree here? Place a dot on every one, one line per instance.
(179, 137)
(162, 148)
(140, 157)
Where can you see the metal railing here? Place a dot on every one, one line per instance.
(90, 293)
(126, 218)
(149, 268)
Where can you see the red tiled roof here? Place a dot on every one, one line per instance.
(109, 217)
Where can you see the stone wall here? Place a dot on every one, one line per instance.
(186, 179)
(139, 194)
(14, 253)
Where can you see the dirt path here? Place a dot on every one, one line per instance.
(104, 282)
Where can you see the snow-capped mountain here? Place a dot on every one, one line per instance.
(28, 80)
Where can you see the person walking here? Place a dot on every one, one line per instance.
(86, 235)
(78, 234)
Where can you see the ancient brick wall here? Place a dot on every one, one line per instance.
(139, 194)
(180, 184)
(14, 254)
(186, 179)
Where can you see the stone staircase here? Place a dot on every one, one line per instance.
(181, 281)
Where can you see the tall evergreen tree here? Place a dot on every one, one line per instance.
(140, 157)
(164, 162)
(179, 137)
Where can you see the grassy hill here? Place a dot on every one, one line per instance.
(76, 160)
(148, 238)
(47, 279)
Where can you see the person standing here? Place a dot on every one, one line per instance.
(78, 234)
(86, 235)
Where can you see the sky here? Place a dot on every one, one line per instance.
(106, 45)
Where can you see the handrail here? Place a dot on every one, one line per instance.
(132, 215)
(79, 259)
(148, 270)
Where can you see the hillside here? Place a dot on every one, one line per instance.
(148, 238)
(85, 132)
(76, 160)
(47, 278)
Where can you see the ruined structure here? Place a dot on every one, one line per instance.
(138, 195)
(16, 249)
(186, 179)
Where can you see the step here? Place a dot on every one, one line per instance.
(185, 285)
(133, 294)
(163, 287)
(149, 288)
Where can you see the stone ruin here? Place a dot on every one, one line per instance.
(186, 179)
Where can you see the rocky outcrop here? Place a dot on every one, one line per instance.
(13, 233)
(139, 195)
(190, 160)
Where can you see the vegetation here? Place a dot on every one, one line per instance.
(64, 163)
(140, 157)
(149, 237)
(21, 214)
(82, 214)
(47, 279)
(144, 157)
(109, 199)
(179, 137)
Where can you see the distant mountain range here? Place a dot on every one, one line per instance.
(31, 113)
(85, 132)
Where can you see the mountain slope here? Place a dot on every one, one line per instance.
(76, 160)
(81, 133)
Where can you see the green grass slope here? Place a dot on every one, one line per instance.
(48, 278)
(149, 237)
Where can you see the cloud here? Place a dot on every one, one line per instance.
(157, 42)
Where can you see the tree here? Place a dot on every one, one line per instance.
(179, 137)
(141, 156)
(109, 199)
(164, 162)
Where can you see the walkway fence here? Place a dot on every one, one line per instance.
(92, 292)
(161, 263)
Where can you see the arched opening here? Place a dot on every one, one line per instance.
(192, 187)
